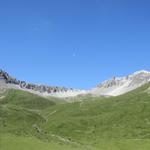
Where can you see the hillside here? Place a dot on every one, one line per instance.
(114, 123)
(126, 116)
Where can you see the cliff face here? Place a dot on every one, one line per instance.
(7, 79)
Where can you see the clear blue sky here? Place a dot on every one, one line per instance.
(74, 43)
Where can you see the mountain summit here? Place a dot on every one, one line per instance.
(112, 87)
(120, 85)
(6, 81)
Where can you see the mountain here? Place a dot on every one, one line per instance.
(6, 81)
(113, 87)
(120, 85)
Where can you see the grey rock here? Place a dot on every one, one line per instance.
(6, 78)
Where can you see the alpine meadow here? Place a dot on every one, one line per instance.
(75, 75)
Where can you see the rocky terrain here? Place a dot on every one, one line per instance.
(112, 87)
(119, 85)
(8, 81)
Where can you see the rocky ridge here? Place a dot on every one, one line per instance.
(112, 87)
(5, 78)
(119, 85)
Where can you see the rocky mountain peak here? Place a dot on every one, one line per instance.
(119, 85)
(112, 87)
(7, 79)
(141, 72)
(138, 77)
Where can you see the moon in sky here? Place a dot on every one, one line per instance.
(74, 55)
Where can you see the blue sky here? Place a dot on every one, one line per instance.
(74, 43)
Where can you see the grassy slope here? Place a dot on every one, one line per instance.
(11, 142)
(117, 123)
(20, 123)
(122, 117)
(19, 112)
(25, 99)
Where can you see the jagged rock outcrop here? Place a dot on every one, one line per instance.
(7, 79)
(113, 87)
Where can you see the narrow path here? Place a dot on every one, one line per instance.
(46, 117)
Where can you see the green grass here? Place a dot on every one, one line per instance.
(115, 123)
(25, 99)
(11, 142)
(19, 112)
(122, 117)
